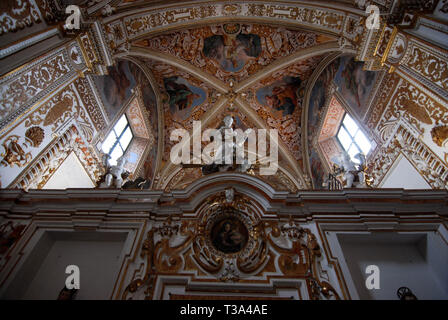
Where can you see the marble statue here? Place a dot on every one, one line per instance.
(228, 144)
(226, 131)
(230, 194)
(352, 174)
(114, 174)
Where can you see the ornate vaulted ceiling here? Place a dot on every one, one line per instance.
(257, 73)
(277, 65)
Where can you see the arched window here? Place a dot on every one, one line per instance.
(352, 139)
(118, 140)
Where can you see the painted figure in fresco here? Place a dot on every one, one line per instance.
(357, 81)
(282, 95)
(180, 95)
(230, 236)
(231, 52)
(317, 171)
(283, 98)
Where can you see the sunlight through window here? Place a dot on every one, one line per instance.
(118, 140)
(352, 139)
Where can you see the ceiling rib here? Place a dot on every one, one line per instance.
(287, 61)
(178, 63)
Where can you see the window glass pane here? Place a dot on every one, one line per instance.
(344, 138)
(117, 153)
(363, 142)
(120, 125)
(109, 142)
(350, 125)
(126, 138)
(353, 151)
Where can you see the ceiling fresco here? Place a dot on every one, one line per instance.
(126, 86)
(228, 55)
(234, 51)
(356, 85)
(116, 88)
(187, 99)
(278, 100)
(184, 98)
(185, 176)
(268, 65)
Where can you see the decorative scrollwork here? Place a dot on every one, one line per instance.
(178, 246)
(300, 259)
(14, 153)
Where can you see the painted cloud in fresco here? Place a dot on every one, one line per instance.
(355, 84)
(116, 88)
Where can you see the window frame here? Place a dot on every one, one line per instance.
(118, 137)
(353, 141)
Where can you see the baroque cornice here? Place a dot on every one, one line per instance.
(122, 29)
(352, 203)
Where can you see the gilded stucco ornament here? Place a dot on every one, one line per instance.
(229, 242)
(14, 153)
(439, 135)
(17, 15)
(35, 135)
(301, 258)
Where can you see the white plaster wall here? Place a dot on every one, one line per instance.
(70, 174)
(416, 261)
(404, 175)
(97, 254)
